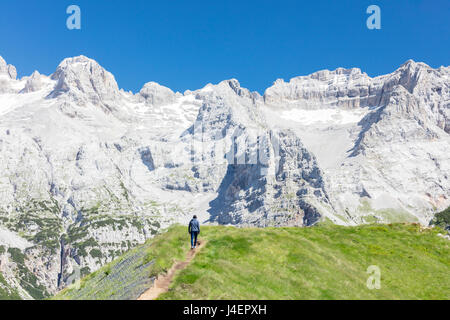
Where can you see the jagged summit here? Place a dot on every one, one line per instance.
(7, 69)
(412, 66)
(85, 79)
(77, 61)
(34, 83)
(411, 63)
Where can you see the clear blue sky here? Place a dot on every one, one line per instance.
(187, 44)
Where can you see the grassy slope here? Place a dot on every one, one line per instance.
(324, 262)
(130, 275)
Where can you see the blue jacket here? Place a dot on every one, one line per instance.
(194, 226)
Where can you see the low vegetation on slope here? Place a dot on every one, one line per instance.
(6, 291)
(127, 277)
(323, 262)
(442, 219)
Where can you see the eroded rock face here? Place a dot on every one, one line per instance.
(89, 171)
(85, 81)
(273, 191)
(344, 88)
(267, 176)
(388, 146)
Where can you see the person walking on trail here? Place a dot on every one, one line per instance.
(194, 230)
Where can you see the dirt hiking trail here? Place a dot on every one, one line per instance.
(162, 283)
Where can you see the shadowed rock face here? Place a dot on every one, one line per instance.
(264, 195)
(89, 171)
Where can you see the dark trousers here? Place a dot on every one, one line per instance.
(194, 235)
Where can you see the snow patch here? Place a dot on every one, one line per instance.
(331, 116)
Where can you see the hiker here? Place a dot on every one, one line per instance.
(194, 230)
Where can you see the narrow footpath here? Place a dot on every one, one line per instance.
(162, 283)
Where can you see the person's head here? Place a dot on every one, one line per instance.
(195, 217)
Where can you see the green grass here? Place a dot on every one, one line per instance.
(323, 262)
(130, 275)
(384, 215)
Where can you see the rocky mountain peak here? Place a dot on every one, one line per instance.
(156, 95)
(412, 75)
(7, 69)
(235, 86)
(412, 66)
(91, 184)
(82, 77)
(321, 89)
(327, 74)
(34, 83)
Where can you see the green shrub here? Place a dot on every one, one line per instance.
(17, 256)
(442, 219)
(96, 253)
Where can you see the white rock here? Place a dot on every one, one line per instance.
(7, 69)
(94, 170)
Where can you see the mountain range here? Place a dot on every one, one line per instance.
(89, 171)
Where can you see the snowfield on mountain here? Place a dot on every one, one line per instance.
(89, 171)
